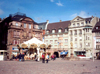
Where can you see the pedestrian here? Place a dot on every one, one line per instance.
(43, 58)
(47, 58)
(20, 57)
(23, 57)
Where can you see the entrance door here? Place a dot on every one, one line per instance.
(57, 54)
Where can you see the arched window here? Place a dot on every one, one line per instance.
(53, 31)
(47, 32)
(60, 30)
(66, 30)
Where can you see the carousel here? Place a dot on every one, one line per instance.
(33, 48)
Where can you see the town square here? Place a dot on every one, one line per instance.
(49, 37)
(58, 66)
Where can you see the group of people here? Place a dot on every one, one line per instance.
(45, 57)
(19, 57)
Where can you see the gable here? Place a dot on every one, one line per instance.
(28, 19)
(77, 19)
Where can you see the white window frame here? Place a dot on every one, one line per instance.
(29, 26)
(25, 25)
(53, 31)
(59, 31)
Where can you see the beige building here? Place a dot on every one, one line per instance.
(77, 32)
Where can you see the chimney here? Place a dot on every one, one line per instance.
(60, 21)
(47, 20)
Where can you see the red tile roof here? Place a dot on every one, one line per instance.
(58, 25)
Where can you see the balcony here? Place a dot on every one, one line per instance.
(15, 27)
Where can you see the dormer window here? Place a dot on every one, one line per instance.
(96, 27)
(66, 30)
(47, 31)
(59, 31)
(53, 31)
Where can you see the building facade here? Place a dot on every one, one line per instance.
(16, 29)
(74, 36)
(57, 36)
(96, 38)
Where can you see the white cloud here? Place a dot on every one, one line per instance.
(1, 12)
(73, 15)
(59, 4)
(82, 14)
(52, 0)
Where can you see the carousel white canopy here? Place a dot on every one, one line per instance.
(34, 40)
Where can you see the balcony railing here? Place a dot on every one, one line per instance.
(14, 26)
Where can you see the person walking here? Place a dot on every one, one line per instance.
(43, 58)
(47, 58)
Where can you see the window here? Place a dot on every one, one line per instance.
(36, 26)
(75, 39)
(59, 30)
(29, 26)
(80, 31)
(66, 40)
(77, 24)
(16, 24)
(16, 42)
(47, 32)
(46, 41)
(71, 39)
(16, 34)
(75, 45)
(80, 45)
(96, 27)
(65, 30)
(53, 31)
(75, 32)
(82, 23)
(24, 25)
(55, 41)
(71, 33)
(86, 22)
(51, 41)
(86, 37)
(73, 25)
(29, 35)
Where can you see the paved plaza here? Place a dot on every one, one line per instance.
(58, 66)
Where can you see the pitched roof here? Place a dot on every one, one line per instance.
(58, 25)
(88, 19)
(42, 25)
(97, 25)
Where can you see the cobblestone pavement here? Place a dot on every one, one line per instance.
(58, 66)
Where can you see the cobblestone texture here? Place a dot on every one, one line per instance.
(58, 66)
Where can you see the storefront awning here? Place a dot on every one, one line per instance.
(63, 53)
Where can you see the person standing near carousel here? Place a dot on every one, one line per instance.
(47, 58)
(43, 58)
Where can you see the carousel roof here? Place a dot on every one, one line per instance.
(34, 40)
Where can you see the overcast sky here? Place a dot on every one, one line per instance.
(52, 10)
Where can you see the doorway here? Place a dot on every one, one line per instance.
(57, 54)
